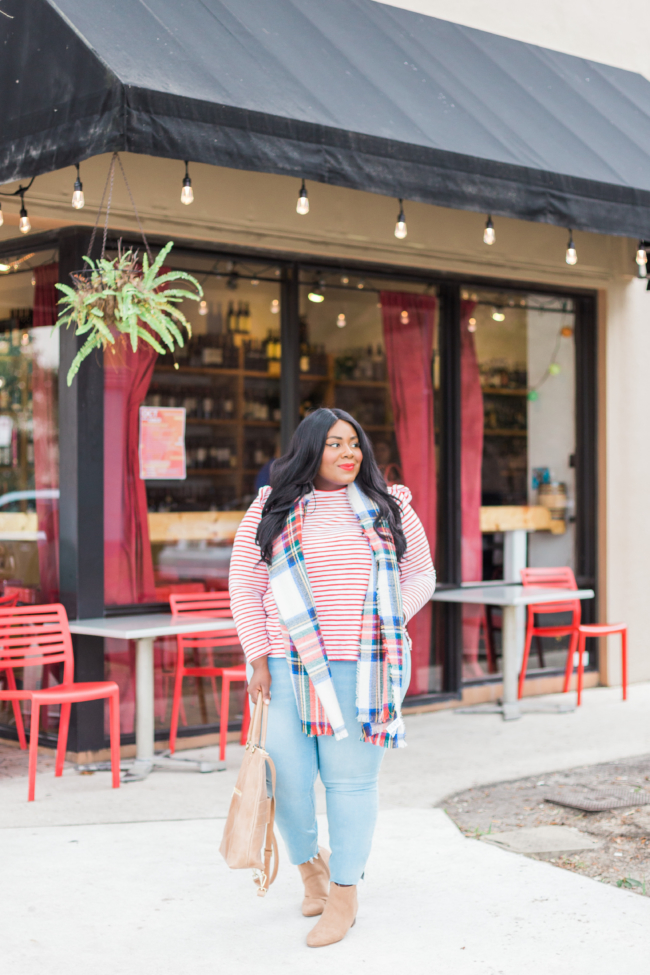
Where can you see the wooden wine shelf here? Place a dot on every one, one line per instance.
(503, 432)
(498, 391)
(239, 423)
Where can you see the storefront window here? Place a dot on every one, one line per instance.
(29, 457)
(175, 535)
(367, 347)
(517, 449)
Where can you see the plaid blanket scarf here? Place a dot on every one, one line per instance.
(383, 637)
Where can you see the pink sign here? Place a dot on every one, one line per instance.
(162, 443)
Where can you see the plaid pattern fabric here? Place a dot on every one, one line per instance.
(379, 670)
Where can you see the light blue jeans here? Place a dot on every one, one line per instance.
(349, 770)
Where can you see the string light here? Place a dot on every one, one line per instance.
(187, 193)
(404, 318)
(641, 254)
(571, 256)
(24, 224)
(489, 234)
(203, 307)
(471, 325)
(316, 295)
(497, 315)
(302, 206)
(275, 306)
(554, 369)
(345, 280)
(78, 200)
(400, 226)
(254, 282)
(341, 321)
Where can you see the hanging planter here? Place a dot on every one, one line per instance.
(125, 295)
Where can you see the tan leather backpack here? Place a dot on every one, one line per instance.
(248, 837)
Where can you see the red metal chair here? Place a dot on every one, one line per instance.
(557, 578)
(601, 629)
(9, 678)
(33, 636)
(214, 604)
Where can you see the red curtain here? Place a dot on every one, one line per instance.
(408, 336)
(128, 567)
(46, 440)
(470, 477)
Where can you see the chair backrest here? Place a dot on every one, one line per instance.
(561, 577)
(200, 604)
(9, 600)
(31, 636)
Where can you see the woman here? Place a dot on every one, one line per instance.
(328, 565)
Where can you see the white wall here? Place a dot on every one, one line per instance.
(613, 33)
(628, 473)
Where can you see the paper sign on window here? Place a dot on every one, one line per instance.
(162, 443)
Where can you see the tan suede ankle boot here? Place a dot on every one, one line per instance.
(316, 878)
(337, 918)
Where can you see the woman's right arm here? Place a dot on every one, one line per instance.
(248, 582)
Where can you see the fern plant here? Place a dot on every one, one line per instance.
(128, 297)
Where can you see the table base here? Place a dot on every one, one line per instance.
(142, 767)
(512, 711)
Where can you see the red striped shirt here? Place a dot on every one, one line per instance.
(338, 561)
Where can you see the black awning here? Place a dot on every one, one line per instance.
(349, 92)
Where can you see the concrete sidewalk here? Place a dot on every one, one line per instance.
(114, 880)
(157, 898)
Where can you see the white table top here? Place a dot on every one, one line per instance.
(148, 625)
(514, 595)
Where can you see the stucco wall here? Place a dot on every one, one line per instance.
(628, 473)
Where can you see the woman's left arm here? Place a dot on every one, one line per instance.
(417, 574)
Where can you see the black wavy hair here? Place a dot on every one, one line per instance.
(292, 476)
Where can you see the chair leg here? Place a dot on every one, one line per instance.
(524, 662)
(246, 719)
(213, 682)
(18, 715)
(540, 651)
(33, 751)
(200, 693)
(62, 743)
(176, 703)
(489, 640)
(223, 718)
(582, 641)
(114, 727)
(624, 661)
(573, 646)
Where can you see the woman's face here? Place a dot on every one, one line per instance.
(341, 458)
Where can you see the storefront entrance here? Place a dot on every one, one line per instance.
(478, 395)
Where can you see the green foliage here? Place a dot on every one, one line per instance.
(631, 883)
(124, 295)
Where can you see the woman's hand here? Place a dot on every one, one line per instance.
(261, 680)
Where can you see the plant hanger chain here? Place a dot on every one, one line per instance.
(110, 179)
